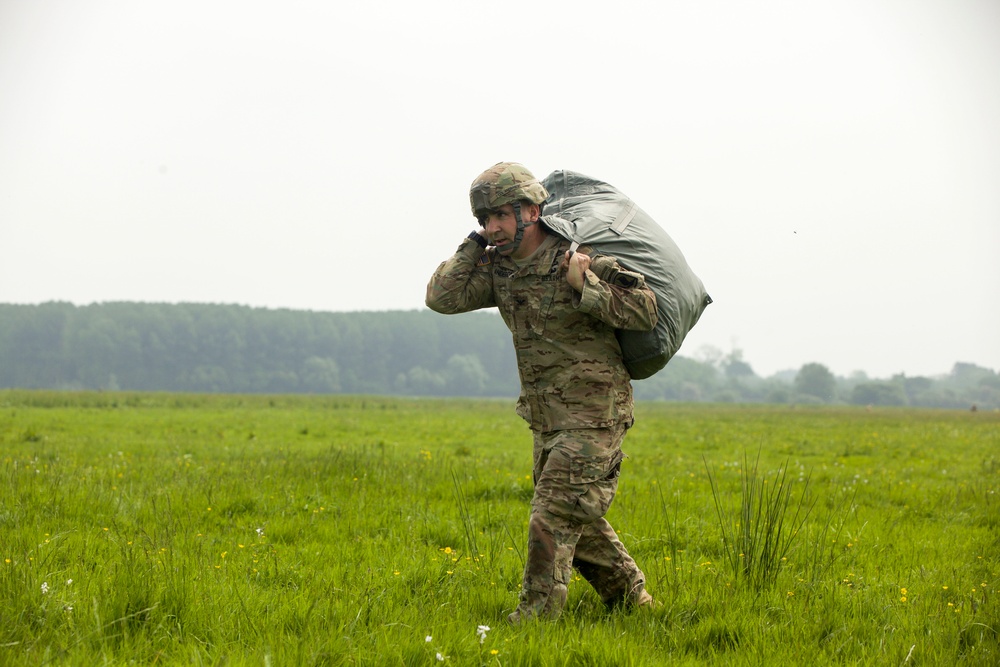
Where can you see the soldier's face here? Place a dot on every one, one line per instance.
(501, 228)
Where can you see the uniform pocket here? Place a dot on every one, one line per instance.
(596, 480)
(589, 469)
(579, 477)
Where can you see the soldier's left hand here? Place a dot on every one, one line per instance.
(576, 265)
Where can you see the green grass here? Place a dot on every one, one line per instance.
(231, 530)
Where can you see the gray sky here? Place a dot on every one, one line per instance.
(831, 169)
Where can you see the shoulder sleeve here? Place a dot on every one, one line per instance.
(618, 297)
(464, 281)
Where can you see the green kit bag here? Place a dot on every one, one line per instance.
(591, 212)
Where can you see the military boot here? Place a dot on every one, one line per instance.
(539, 604)
(645, 601)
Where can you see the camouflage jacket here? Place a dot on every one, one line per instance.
(568, 357)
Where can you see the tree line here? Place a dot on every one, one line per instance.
(237, 349)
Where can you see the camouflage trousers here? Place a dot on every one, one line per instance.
(576, 477)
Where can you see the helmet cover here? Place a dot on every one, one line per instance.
(504, 183)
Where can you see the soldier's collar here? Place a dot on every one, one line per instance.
(544, 260)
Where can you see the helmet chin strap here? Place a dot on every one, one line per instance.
(519, 235)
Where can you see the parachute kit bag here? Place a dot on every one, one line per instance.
(593, 213)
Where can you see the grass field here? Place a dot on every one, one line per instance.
(232, 530)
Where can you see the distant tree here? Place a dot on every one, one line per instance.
(229, 348)
(738, 369)
(914, 386)
(986, 396)
(320, 375)
(778, 394)
(690, 392)
(683, 379)
(735, 367)
(711, 355)
(816, 380)
(727, 396)
(939, 398)
(419, 380)
(465, 375)
(970, 375)
(207, 378)
(878, 393)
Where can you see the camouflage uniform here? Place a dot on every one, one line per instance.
(577, 398)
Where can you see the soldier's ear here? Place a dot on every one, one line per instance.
(530, 212)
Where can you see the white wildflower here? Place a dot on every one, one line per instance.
(428, 639)
(260, 532)
(69, 582)
(45, 587)
(481, 631)
(440, 657)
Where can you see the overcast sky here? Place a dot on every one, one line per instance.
(830, 169)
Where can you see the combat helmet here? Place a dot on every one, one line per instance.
(506, 183)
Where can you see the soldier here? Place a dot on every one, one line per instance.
(562, 309)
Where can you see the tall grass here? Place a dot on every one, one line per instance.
(758, 537)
